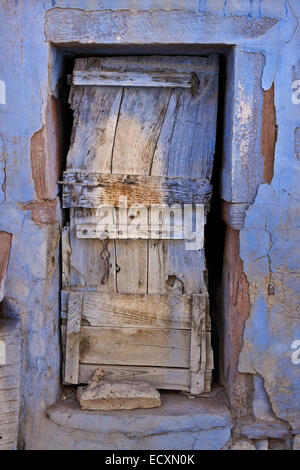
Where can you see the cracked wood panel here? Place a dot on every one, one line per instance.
(142, 131)
(10, 384)
(165, 378)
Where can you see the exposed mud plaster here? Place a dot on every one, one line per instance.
(268, 133)
(236, 312)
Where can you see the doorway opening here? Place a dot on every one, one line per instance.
(214, 229)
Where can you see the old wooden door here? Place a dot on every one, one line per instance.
(134, 298)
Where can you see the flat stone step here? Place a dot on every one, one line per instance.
(179, 423)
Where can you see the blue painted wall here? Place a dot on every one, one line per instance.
(265, 36)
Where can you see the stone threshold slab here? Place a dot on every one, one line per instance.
(178, 413)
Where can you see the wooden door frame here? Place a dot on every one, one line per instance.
(242, 167)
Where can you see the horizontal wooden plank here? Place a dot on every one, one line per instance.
(138, 64)
(159, 377)
(82, 189)
(141, 310)
(136, 79)
(135, 346)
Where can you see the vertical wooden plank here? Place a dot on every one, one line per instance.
(95, 115)
(92, 262)
(73, 337)
(137, 131)
(197, 329)
(185, 148)
(201, 350)
(198, 382)
(66, 252)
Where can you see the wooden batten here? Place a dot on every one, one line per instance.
(136, 79)
(133, 232)
(93, 190)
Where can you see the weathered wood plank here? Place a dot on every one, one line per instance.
(161, 132)
(198, 382)
(135, 346)
(10, 383)
(64, 298)
(197, 329)
(66, 252)
(146, 232)
(93, 190)
(73, 337)
(140, 120)
(234, 214)
(96, 112)
(159, 377)
(135, 79)
(142, 310)
(171, 64)
(209, 365)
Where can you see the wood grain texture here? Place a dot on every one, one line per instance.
(159, 377)
(73, 337)
(66, 252)
(135, 346)
(93, 190)
(92, 263)
(132, 231)
(135, 79)
(95, 116)
(234, 214)
(140, 119)
(142, 310)
(10, 384)
(197, 329)
(5, 243)
(189, 129)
